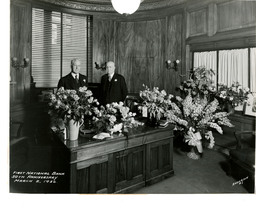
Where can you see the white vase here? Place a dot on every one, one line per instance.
(73, 127)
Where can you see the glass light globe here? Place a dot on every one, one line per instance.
(125, 6)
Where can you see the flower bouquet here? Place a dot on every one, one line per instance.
(200, 83)
(194, 117)
(71, 106)
(114, 118)
(155, 103)
(234, 95)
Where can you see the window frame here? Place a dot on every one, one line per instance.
(200, 48)
(61, 10)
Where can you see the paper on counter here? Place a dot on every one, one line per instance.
(101, 136)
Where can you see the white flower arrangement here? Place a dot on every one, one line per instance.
(115, 117)
(155, 101)
(192, 115)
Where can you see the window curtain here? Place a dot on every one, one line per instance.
(207, 60)
(252, 69)
(233, 67)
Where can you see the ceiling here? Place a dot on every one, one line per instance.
(109, 1)
(106, 6)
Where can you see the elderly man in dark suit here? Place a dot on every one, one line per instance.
(113, 86)
(74, 80)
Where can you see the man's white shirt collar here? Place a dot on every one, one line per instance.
(74, 75)
(111, 75)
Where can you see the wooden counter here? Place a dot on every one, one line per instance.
(120, 164)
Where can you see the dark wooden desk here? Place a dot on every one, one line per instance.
(120, 164)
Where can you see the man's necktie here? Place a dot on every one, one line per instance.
(109, 78)
(76, 77)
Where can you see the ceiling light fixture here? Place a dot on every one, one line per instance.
(126, 7)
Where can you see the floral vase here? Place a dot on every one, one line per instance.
(87, 126)
(229, 108)
(195, 141)
(73, 129)
(152, 121)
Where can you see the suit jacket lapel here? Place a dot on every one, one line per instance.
(112, 80)
(72, 80)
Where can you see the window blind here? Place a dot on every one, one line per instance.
(56, 39)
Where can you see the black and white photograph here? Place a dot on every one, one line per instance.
(131, 97)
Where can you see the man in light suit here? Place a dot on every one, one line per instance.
(113, 86)
(74, 79)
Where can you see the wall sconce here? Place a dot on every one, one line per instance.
(172, 64)
(17, 65)
(101, 67)
(126, 7)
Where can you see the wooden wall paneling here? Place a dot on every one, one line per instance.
(247, 34)
(189, 62)
(155, 45)
(139, 60)
(141, 66)
(212, 19)
(103, 45)
(20, 47)
(224, 44)
(124, 43)
(140, 39)
(174, 51)
(197, 22)
(236, 14)
(139, 53)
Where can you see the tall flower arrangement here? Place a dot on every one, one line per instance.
(199, 111)
(155, 101)
(196, 113)
(194, 117)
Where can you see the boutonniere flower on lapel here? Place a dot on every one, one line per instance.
(115, 80)
(84, 80)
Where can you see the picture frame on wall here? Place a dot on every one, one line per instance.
(250, 106)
